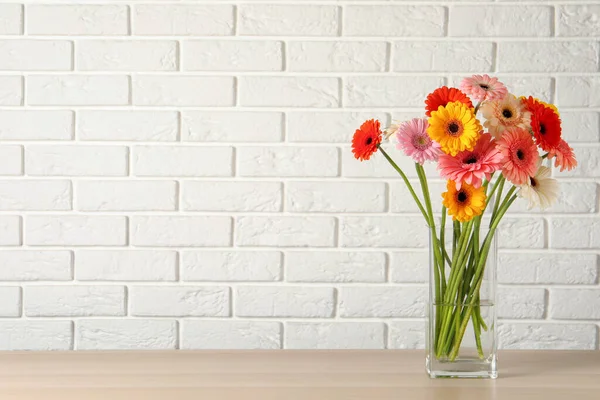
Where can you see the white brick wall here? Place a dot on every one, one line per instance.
(177, 173)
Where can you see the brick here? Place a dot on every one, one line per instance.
(242, 266)
(328, 127)
(10, 301)
(544, 336)
(536, 86)
(180, 301)
(180, 231)
(74, 301)
(315, 196)
(289, 20)
(403, 202)
(575, 233)
(151, 126)
(176, 19)
(35, 265)
(499, 20)
(548, 268)
(289, 91)
(388, 91)
(231, 126)
(395, 21)
(75, 230)
(36, 125)
(521, 233)
(383, 232)
(11, 90)
(11, 19)
(231, 196)
(520, 303)
(55, 19)
(574, 197)
(579, 56)
(82, 90)
(12, 160)
(125, 265)
(126, 195)
(329, 266)
(76, 160)
(231, 335)
(575, 304)
(337, 56)
(51, 195)
(126, 55)
(383, 302)
(225, 55)
(30, 335)
(10, 230)
(578, 91)
(285, 231)
(407, 334)
(578, 20)
(287, 161)
(443, 56)
(409, 267)
(286, 301)
(137, 334)
(344, 335)
(581, 126)
(182, 161)
(183, 90)
(588, 161)
(35, 55)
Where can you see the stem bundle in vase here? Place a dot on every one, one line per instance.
(500, 159)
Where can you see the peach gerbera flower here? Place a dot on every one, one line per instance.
(519, 155)
(503, 114)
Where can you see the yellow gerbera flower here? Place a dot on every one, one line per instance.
(454, 127)
(465, 203)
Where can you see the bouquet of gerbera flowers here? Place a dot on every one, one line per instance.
(503, 158)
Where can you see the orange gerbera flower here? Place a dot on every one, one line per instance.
(442, 96)
(545, 123)
(366, 139)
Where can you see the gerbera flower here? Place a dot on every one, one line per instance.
(531, 99)
(565, 157)
(444, 95)
(413, 139)
(503, 114)
(520, 155)
(545, 124)
(366, 139)
(540, 190)
(454, 127)
(472, 166)
(483, 87)
(464, 203)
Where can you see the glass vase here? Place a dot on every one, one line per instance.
(462, 337)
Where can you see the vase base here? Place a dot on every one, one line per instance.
(462, 368)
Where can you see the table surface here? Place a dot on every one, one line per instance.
(288, 375)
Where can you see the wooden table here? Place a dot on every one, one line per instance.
(288, 375)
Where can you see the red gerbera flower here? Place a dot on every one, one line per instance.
(545, 124)
(565, 157)
(444, 95)
(366, 139)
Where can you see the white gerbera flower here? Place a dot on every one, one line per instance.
(540, 190)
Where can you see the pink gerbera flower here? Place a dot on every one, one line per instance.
(565, 157)
(483, 87)
(519, 155)
(413, 139)
(472, 166)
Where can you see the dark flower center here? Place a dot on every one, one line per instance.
(542, 129)
(461, 197)
(533, 182)
(506, 113)
(471, 160)
(484, 86)
(369, 140)
(520, 155)
(453, 127)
